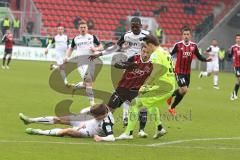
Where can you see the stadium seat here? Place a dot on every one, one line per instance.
(106, 16)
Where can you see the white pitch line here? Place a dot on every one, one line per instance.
(163, 144)
(191, 140)
(192, 147)
(74, 143)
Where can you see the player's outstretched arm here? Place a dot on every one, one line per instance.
(200, 56)
(107, 51)
(109, 138)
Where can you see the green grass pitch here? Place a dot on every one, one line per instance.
(207, 126)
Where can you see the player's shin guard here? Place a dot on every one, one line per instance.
(174, 93)
(177, 99)
(125, 110)
(132, 119)
(142, 119)
(90, 95)
(52, 132)
(215, 80)
(155, 116)
(4, 59)
(43, 120)
(8, 61)
(236, 88)
(63, 75)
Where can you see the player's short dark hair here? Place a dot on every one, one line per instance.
(136, 20)
(238, 35)
(82, 22)
(151, 39)
(186, 28)
(99, 110)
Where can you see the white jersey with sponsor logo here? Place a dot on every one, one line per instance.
(83, 43)
(96, 127)
(61, 43)
(133, 41)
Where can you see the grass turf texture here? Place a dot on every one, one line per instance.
(203, 115)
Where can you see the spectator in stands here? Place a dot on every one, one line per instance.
(120, 30)
(76, 22)
(48, 40)
(221, 59)
(5, 3)
(5, 25)
(35, 42)
(137, 13)
(159, 33)
(18, 2)
(161, 8)
(189, 10)
(185, 1)
(90, 24)
(30, 26)
(60, 23)
(16, 27)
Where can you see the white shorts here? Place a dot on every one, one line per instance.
(86, 71)
(59, 58)
(88, 131)
(213, 66)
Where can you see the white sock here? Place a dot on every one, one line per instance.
(80, 85)
(54, 66)
(125, 110)
(52, 132)
(205, 74)
(215, 80)
(43, 120)
(89, 93)
(63, 75)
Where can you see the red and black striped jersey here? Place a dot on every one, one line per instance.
(134, 79)
(185, 54)
(8, 39)
(235, 51)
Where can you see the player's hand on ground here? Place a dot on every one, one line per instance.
(97, 138)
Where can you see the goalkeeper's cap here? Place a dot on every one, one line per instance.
(136, 20)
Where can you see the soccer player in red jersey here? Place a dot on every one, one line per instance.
(8, 39)
(185, 51)
(137, 69)
(235, 52)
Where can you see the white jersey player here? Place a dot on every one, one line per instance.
(100, 126)
(213, 66)
(133, 41)
(61, 42)
(86, 45)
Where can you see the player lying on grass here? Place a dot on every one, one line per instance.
(157, 89)
(100, 126)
